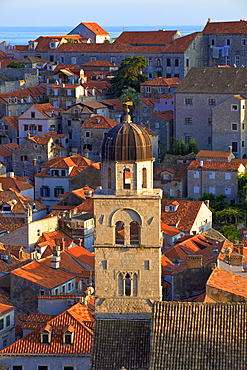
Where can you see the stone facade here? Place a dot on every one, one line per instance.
(55, 362)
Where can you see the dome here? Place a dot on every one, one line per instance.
(127, 142)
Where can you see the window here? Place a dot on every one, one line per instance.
(44, 191)
(160, 90)
(54, 172)
(234, 107)
(42, 292)
(209, 140)
(228, 42)
(144, 177)
(1, 324)
(157, 125)
(134, 233)
(62, 60)
(68, 368)
(8, 320)
(17, 367)
(56, 291)
(25, 127)
(187, 62)
(40, 128)
(68, 338)
(63, 172)
(92, 59)
(227, 176)
(234, 126)
(209, 121)
(42, 367)
(104, 264)
(196, 174)
(39, 157)
(176, 62)
(188, 120)
(212, 41)
(211, 175)
(243, 42)
(196, 189)
(234, 146)
(228, 61)
(168, 62)
(119, 233)
(227, 191)
(172, 192)
(127, 284)
(55, 92)
(57, 191)
(148, 89)
(73, 60)
(211, 190)
(211, 102)
(63, 289)
(69, 286)
(126, 178)
(87, 134)
(23, 158)
(158, 62)
(187, 139)
(32, 114)
(237, 60)
(188, 101)
(69, 122)
(150, 60)
(51, 58)
(242, 143)
(147, 265)
(69, 92)
(168, 75)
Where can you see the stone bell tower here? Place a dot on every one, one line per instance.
(128, 238)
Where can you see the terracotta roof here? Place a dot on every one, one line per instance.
(11, 121)
(87, 206)
(98, 63)
(6, 150)
(34, 92)
(149, 102)
(171, 231)
(226, 27)
(11, 223)
(160, 37)
(77, 317)
(121, 342)
(208, 165)
(228, 282)
(95, 28)
(81, 254)
(20, 201)
(44, 41)
(213, 153)
(167, 115)
(4, 308)
(202, 335)
(14, 183)
(161, 81)
(181, 44)
(167, 267)
(114, 104)
(99, 122)
(47, 108)
(185, 215)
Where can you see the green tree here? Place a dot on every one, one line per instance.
(174, 146)
(193, 148)
(14, 64)
(129, 75)
(183, 150)
(230, 232)
(242, 186)
(130, 94)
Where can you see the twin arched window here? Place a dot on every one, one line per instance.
(127, 284)
(134, 233)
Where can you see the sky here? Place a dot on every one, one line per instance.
(119, 12)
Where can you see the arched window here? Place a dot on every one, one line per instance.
(144, 177)
(126, 178)
(135, 285)
(158, 63)
(127, 285)
(119, 233)
(134, 233)
(120, 285)
(109, 178)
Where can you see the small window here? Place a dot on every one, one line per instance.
(211, 102)
(42, 367)
(227, 176)
(228, 60)
(1, 324)
(188, 120)
(69, 122)
(243, 42)
(147, 265)
(57, 191)
(69, 92)
(237, 60)
(227, 191)
(32, 114)
(234, 146)
(212, 190)
(234, 107)
(234, 126)
(87, 134)
(17, 367)
(188, 101)
(56, 291)
(212, 41)
(63, 289)
(228, 42)
(8, 320)
(176, 62)
(148, 89)
(210, 121)
(40, 128)
(92, 59)
(168, 62)
(157, 125)
(196, 174)
(242, 143)
(187, 139)
(160, 90)
(42, 292)
(23, 158)
(55, 173)
(212, 175)
(63, 172)
(25, 127)
(69, 286)
(187, 62)
(196, 189)
(209, 140)
(73, 60)
(68, 368)
(104, 264)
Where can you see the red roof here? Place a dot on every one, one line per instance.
(214, 165)
(161, 81)
(226, 27)
(228, 282)
(160, 37)
(95, 28)
(99, 122)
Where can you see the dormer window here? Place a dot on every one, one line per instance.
(52, 45)
(6, 208)
(68, 335)
(46, 334)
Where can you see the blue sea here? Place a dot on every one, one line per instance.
(21, 35)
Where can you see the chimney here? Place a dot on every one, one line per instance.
(86, 153)
(34, 162)
(194, 261)
(209, 20)
(63, 244)
(201, 163)
(11, 174)
(238, 247)
(28, 214)
(230, 149)
(28, 135)
(55, 259)
(236, 260)
(80, 242)
(206, 202)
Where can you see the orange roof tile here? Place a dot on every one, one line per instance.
(81, 254)
(4, 308)
(167, 115)
(171, 231)
(213, 153)
(98, 63)
(160, 37)
(167, 266)
(181, 44)
(161, 81)
(226, 27)
(78, 317)
(208, 165)
(95, 28)
(228, 282)
(12, 121)
(99, 122)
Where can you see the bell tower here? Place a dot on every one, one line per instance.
(127, 216)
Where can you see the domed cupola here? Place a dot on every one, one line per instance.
(127, 142)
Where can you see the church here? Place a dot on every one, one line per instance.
(134, 329)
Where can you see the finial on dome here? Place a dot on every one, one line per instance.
(127, 117)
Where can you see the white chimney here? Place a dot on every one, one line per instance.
(201, 163)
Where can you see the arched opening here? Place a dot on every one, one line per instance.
(134, 233)
(135, 285)
(144, 177)
(244, 156)
(120, 285)
(126, 178)
(119, 233)
(109, 178)
(127, 285)
(158, 62)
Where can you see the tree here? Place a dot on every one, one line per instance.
(130, 94)
(230, 232)
(183, 150)
(14, 64)
(129, 75)
(193, 148)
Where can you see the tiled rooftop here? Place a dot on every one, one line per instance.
(161, 81)
(160, 37)
(99, 122)
(227, 166)
(226, 27)
(228, 282)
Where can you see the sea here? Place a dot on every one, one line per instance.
(21, 35)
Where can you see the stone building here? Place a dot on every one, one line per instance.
(158, 86)
(9, 129)
(210, 107)
(92, 31)
(128, 239)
